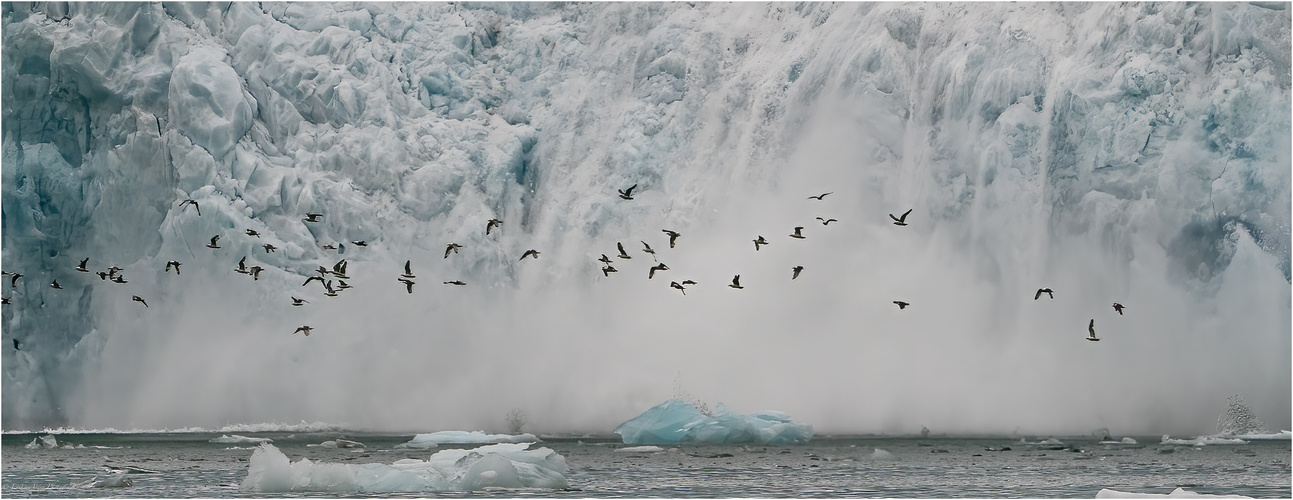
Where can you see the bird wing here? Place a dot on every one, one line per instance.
(736, 280)
(407, 269)
(1038, 295)
(904, 214)
(630, 189)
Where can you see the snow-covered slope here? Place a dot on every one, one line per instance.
(1136, 153)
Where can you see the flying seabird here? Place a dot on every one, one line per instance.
(255, 272)
(359, 243)
(827, 222)
(647, 248)
(328, 286)
(103, 275)
(1091, 328)
(13, 280)
(627, 193)
(820, 196)
(453, 247)
(242, 266)
(797, 230)
(1046, 291)
(323, 271)
(605, 260)
(408, 284)
(688, 282)
(82, 267)
(455, 282)
(342, 285)
(493, 223)
(120, 279)
(900, 221)
(623, 254)
(674, 284)
(312, 278)
(736, 282)
(185, 204)
(759, 241)
(673, 236)
(55, 285)
(138, 299)
(339, 269)
(172, 263)
(1118, 307)
(796, 269)
(608, 270)
(269, 248)
(901, 305)
(213, 242)
(4, 300)
(306, 329)
(657, 267)
(309, 217)
(297, 302)
(408, 270)
(252, 232)
(329, 246)
(529, 253)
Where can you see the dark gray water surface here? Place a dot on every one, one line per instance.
(829, 466)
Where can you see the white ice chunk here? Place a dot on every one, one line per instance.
(1176, 493)
(464, 437)
(676, 421)
(207, 102)
(1202, 440)
(882, 454)
(236, 439)
(639, 449)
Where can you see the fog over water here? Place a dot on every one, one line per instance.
(1135, 153)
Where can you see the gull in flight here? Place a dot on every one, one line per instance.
(138, 299)
(82, 267)
(1047, 291)
(455, 282)
(797, 230)
(359, 243)
(759, 241)
(303, 329)
(255, 272)
(1091, 328)
(408, 270)
(900, 221)
(796, 269)
(820, 196)
(623, 254)
(827, 222)
(647, 248)
(493, 223)
(1118, 307)
(674, 284)
(453, 247)
(175, 264)
(213, 244)
(55, 285)
(252, 232)
(657, 267)
(673, 236)
(605, 260)
(269, 248)
(408, 284)
(298, 302)
(608, 270)
(530, 253)
(901, 305)
(627, 193)
(736, 282)
(312, 217)
(242, 266)
(185, 204)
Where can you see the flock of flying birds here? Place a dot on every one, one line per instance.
(326, 276)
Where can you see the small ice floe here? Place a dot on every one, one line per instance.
(1202, 440)
(1125, 440)
(434, 439)
(130, 469)
(1281, 435)
(242, 447)
(111, 480)
(639, 449)
(46, 441)
(236, 439)
(1047, 444)
(503, 465)
(881, 454)
(1176, 493)
(337, 443)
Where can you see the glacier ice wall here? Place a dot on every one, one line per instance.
(1136, 153)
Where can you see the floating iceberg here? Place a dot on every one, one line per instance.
(110, 480)
(503, 465)
(639, 449)
(1176, 493)
(1125, 440)
(882, 454)
(1281, 435)
(236, 439)
(47, 441)
(676, 421)
(337, 443)
(1202, 440)
(464, 437)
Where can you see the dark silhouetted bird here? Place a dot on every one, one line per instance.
(797, 230)
(329, 246)
(339, 269)
(138, 299)
(608, 270)
(13, 280)
(112, 271)
(184, 205)
(172, 264)
(342, 285)
(82, 267)
(1118, 307)
(605, 260)
(900, 221)
(303, 329)
(4, 300)
(242, 266)
(820, 196)
(327, 285)
(1091, 328)
(213, 244)
(299, 302)
(255, 272)
(120, 279)
(252, 232)
(657, 267)
(736, 282)
(530, 253)
(408, 284)
(452, 248)
(455, 282)
(493, 223)
(312, 217)
(312, 278)
(359, 243)
(675, 284)
(1046, 291)
(269, 248)
(901, 305)
(627, 193)
(55, 285)
(827, 222)
(796, 270)
(688, 282)
(647, 248)
(623, 254)
(673, 236)
(759, 241)
(408, 270)
(104, 276)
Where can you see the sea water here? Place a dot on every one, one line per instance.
(189, 465)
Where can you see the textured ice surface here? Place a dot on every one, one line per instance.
(431, 440)
(676, 421)
(1137, 150)
(236, 439)
(1176, 493)
(505, 465)
(1202, 440)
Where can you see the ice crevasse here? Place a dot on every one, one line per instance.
(676, 421)
(504, 465)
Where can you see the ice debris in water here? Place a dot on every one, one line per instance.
(236, 439)
(1200, 441)
(1176, 493)
(639, 449)
(110, 480)
(434, 439)
(882, 454)
(676, 421)
(46, 441)
(503, 465)
(337, 443)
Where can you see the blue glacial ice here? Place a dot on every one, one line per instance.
(677, 421)
(505, 465)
